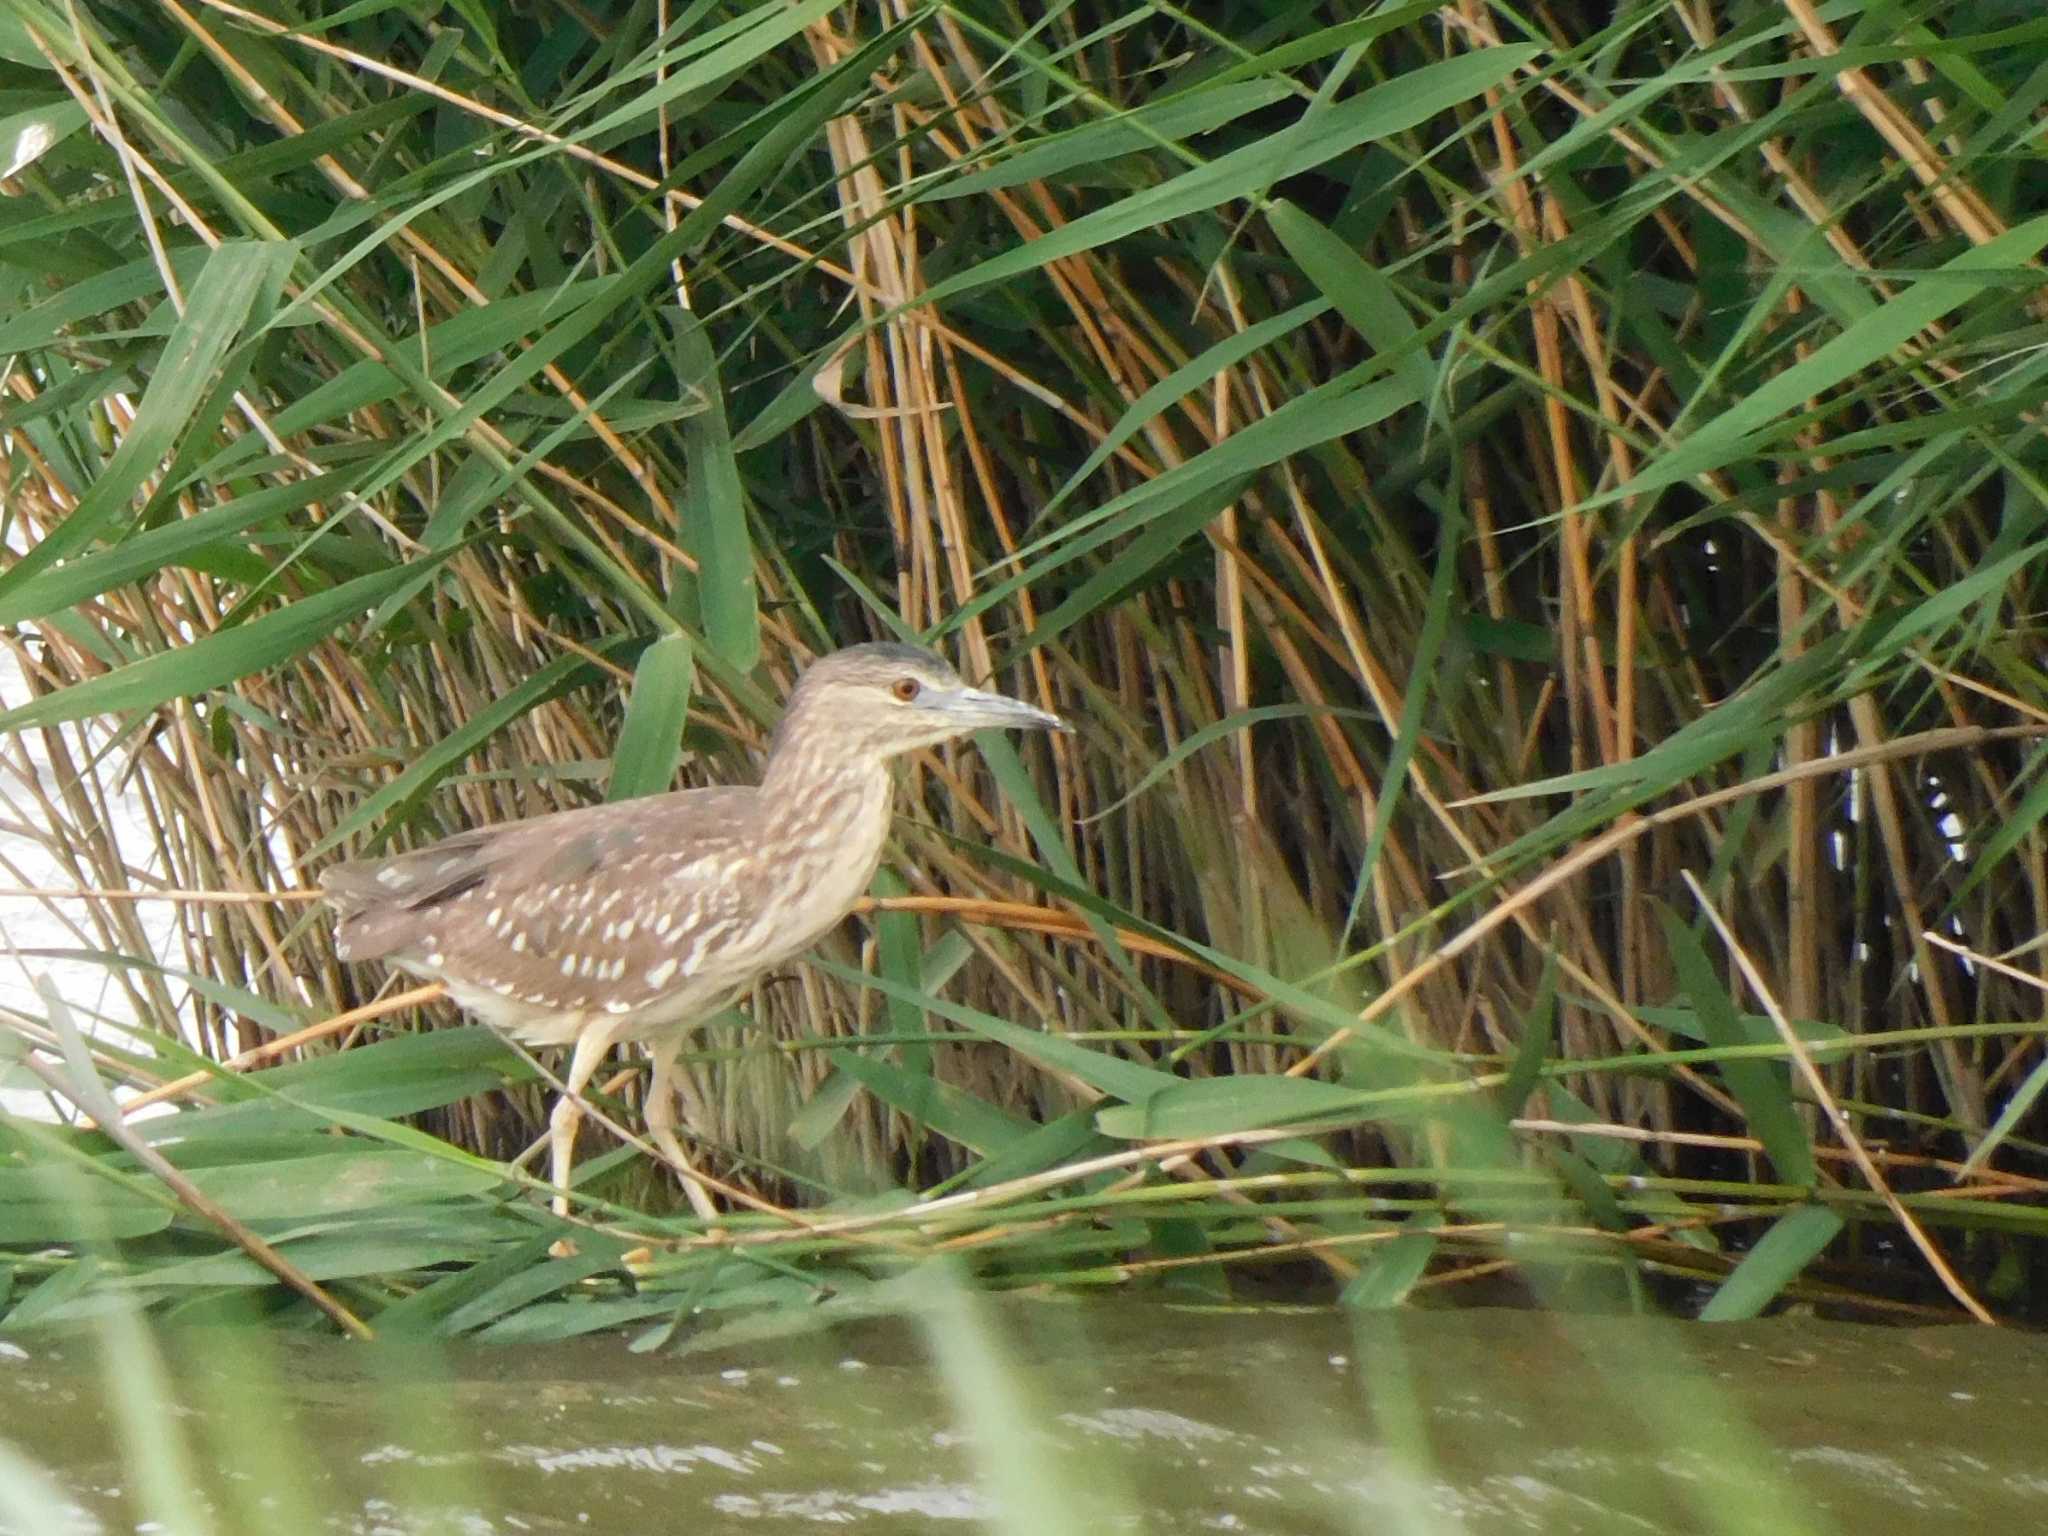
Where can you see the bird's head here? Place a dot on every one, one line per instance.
(877, 701)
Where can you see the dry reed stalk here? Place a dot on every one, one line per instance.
(1308, 589)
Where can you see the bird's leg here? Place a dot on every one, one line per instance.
(661, 1122)
(591, 1048)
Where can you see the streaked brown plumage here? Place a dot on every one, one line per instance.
(633, 921)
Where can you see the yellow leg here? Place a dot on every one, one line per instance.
(591, 1046)
(661, 1122)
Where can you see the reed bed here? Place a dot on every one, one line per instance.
(1538, 515)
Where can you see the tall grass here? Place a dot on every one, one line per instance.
(1538, 514)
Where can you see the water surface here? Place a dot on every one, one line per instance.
(1060, 1415)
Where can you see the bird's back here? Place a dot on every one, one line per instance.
(651, 912)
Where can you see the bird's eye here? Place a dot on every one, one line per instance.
(906, 688)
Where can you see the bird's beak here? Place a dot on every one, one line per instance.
(982, 711)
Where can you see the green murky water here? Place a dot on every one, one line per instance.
(1063, 1416)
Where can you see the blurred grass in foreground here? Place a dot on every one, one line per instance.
(934, 1407)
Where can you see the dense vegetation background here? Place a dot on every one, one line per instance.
(1537, 512)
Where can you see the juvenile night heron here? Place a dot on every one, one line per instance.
(636, 920)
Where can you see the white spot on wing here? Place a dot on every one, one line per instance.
(661, 973)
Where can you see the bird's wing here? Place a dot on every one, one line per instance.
(405, 903)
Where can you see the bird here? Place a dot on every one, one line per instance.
(639, 919)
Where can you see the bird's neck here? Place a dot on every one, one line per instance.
(833, 815)
(797, 772)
